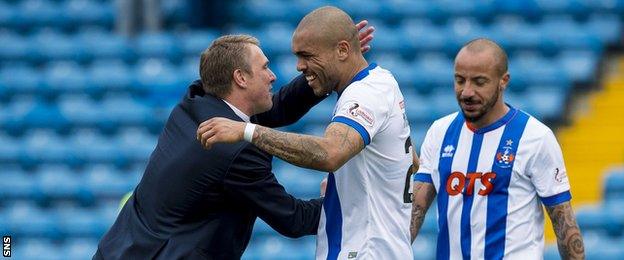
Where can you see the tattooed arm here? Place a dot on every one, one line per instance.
(569, 240)
(424, 193)
(328, 153)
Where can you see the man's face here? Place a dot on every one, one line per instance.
(260, 80)
(478, 85)
(317, 62)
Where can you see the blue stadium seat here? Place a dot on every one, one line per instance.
(403, 74)
(28, 220)
(444, 100)
(158, 79)
(101, 44)
(390, 40)
(91, 147)
(614, 184)
(436, 71)
(301, 183)
(461, 30)
(539, 70)
(285, 69)
(16, 183)
(123, 110)
(45, 115)
(275, 38)
(524, 8)
(14, 47)
(79, 222)
(35, 248)
(599, 219)
(108, 76)
(59, 182)
(45, 146)
(89, 12)
(418, 131)
(580, 66)
(505, 31)
(606, 27)
(80, 110)
(65, 77)
(417, 107)
(80, 248)
(409, 9)
(14, 119)
(52, 45)
(157, 45)
(422, 35)
(562, 32)
(8, 14)
(39, 13)
(104, 181)
(278, 247)
(195, 42)
(546, 102)
(20, 78)
(136, 144)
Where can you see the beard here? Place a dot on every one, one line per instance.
(483, 110)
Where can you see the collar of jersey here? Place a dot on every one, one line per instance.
(500, 122)
(359, 76)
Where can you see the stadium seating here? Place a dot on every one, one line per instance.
(82, 107)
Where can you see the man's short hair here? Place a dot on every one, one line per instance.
(218, 63)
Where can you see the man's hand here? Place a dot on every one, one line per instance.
(365, 36)
(220, 130)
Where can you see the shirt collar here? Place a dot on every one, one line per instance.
(238, 112)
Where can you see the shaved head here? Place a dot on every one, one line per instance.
(329, 25)
(484, 45)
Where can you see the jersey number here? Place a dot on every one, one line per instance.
(407, 195)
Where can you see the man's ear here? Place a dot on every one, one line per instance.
(240, 78)
(504, 81)
(343, 50)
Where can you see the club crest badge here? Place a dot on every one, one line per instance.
(505, 155)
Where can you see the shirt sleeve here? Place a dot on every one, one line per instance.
(364, 110)
(548, 172)
(427, 151)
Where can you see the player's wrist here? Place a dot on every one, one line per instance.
(249, 132)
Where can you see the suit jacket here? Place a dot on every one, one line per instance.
(202, 204)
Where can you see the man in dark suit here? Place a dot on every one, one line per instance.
(201, 204)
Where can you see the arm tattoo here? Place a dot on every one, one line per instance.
(569, 240)
(424, 193)
(304, 150)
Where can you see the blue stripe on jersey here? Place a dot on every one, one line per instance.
(423, 177)
(357, 126)
(557, 198)
(475, 150)
(496, 221)
(444, 166)
(333, 218)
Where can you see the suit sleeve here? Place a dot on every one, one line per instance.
(290, 103)
(251, 180)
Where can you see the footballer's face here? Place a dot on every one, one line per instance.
(260, 81)
(478, 84)
(318, 62)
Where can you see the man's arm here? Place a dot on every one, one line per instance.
(328, 153)
(569, 240)
(424, 193)
(249, 179)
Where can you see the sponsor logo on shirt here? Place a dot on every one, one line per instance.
(457, 181)
(357, 111)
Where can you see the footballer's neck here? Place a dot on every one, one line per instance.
(352, 68)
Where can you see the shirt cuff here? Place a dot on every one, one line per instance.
(357, 126)
(557, 198)
(423, 177)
